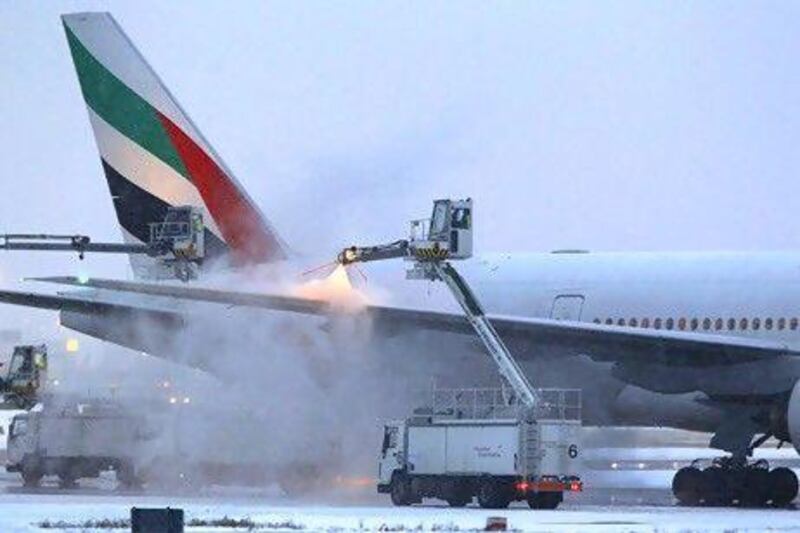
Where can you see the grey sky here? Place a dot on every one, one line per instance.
(608, 126)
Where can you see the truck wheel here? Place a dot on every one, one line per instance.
(493, 495)
(401, 490)
(459, 501)
(31, 476)
(455, 494)
(66, 481)
(67, 476)
(545, 500)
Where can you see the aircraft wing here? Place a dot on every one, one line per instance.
(528, 337)
(78, 304)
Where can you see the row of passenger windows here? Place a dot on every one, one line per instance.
(706, 324)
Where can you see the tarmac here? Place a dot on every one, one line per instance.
(360, 509)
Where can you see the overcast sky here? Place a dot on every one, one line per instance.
(606, 126)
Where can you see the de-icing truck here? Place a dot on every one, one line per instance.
(500, 446)
(472, 444)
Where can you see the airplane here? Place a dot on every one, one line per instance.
(698, 341)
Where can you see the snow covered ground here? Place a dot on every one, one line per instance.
(619, 500)
(624, 499)
(23, 511)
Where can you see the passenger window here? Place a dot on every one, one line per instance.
(756, 323)
(781, 323)
(633, 322)
(621, 322)
(645, 322)
(657, 323)
(743, 324)
(731, 324)
(609, 321)
(768, 323)
(718, 324)
(695, 323)
(682, 324)
(793, 323)
(670, 323)
(596, 320)
(706, 324)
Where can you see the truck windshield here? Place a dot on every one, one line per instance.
(439, 220)
(389, 438)
(176, 223)
(20, 364)
(460, 219)
(18, 427)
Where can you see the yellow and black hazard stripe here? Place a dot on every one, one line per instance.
(431, 254)
(185, 253)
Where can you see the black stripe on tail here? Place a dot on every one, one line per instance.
(137, 208)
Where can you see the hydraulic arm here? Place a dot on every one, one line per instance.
(75, 243)
(506, 364)
(178, 242)
(448, 235)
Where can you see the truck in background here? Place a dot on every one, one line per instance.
(79, 441)
(167, 444)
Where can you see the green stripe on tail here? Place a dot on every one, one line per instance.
(118, 105)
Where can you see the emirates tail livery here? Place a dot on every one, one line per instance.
(703, 341)
(153, 156)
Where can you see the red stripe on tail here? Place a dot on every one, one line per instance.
(248, 235)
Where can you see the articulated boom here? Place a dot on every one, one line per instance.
(506, 364)
(177, 241)
(448, 235)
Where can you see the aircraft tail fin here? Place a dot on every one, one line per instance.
(153, 155)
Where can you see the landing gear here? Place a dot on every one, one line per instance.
(782, 486)
(735, 481)
(688, 485)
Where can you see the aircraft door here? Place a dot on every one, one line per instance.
(567, 307)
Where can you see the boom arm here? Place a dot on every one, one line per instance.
(506, 364)
(76, 243)
(178, 241)
(364, 254)
(450, 236)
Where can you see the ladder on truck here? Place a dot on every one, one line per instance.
(448, 235)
